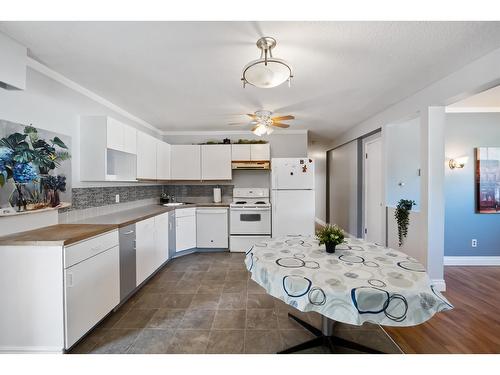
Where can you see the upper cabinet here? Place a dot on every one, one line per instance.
(185, 161)
(251, 152)
(216, 162)
(146, 156)
(163, 161)
(121, 137)
(12, 64)
(107, 150)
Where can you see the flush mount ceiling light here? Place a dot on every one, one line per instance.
(267, 71)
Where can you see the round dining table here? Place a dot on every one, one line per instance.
(360, 282)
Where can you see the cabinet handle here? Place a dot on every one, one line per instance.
(69, 280)
(129, 232)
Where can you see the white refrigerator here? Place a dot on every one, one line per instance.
(292, 196)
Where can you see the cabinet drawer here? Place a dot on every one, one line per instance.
(88, 248)
(185, 212)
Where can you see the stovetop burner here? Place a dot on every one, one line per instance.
(240, 202)
(260, 202)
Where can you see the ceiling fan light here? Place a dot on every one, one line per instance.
(260, 130)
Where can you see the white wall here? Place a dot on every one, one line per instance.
(317, 152)
(402, 156)
(343, 175)
(50, 105)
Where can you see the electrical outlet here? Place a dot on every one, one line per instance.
(474, 242)
(117, 198)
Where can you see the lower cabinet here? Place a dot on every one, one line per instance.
(212, 228)
(185, 229)
(151, 245)
(92, 288)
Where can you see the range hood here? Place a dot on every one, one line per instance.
(251, 164)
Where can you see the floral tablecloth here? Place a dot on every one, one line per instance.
(360, 282)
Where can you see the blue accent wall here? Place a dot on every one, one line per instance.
(464, 132)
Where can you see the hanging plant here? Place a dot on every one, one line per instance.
(402, 216)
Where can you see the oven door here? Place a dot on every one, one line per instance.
(250, 220)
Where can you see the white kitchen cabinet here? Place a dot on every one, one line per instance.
(146, 249)
(92, 290)
(12, 64)
(162, 161)
(107, 150)
(185, 229)
(185, 162)
(212, 228)
(260, 152)
(216, 162)
(240, 152)
(146, 156)
(161, 239)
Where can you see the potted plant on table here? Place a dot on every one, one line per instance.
(54, 185)
(330, 236)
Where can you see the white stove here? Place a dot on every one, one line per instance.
(250, 217)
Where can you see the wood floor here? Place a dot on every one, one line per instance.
(472, 327)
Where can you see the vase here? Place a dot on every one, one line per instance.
(330, 247)
(18, 198)
(54, 198)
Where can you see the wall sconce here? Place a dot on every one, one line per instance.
(458, 163)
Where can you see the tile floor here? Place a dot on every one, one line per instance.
(206, 303)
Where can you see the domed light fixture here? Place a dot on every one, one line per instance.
(267, 71)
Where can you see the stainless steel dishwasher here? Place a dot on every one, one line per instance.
(127, 261)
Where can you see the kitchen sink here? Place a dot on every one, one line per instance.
(174, 204)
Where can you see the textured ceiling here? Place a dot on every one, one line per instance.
(186, 75)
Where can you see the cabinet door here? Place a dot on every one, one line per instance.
(163, 161)
(216, 162)
(115, 134)
(161, 226)
(240, 152)
(129, 139)
(145, 249)
(185, 233)
(92, 289)
(146, 156)
(212, 228)
(185, 162)
(260, 152)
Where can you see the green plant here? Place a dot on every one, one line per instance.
(251, 141)
(47, 156)
(330, 234)
(402, 215)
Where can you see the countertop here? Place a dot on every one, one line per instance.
(56, 235)
(66, 234)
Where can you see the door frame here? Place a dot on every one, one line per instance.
(378, 137)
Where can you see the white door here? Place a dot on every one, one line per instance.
(146, 156)
(240, 152)
(145, 249)
(185, 233)
(293, 212)
(185, 162)
(373, 203)
(292, 173)
(92, 289)
(260, 152)
(161, 238)
(216, 162)
(163, 161)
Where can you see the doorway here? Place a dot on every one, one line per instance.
(373, 191)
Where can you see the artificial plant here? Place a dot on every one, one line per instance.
(402, 215)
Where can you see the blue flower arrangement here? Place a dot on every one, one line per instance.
(23, 173)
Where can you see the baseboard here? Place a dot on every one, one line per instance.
(472, 261)
(319, 221)
(439, 285)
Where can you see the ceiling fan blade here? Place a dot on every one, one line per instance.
(280, 125)
(251, 115)
(280, 118)
(255, 127)
(238, 123)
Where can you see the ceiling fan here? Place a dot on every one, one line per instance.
(264, 123)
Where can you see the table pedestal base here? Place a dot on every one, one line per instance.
(325, 338)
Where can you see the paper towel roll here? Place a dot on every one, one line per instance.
(217, 195)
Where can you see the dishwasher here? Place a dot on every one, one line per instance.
(127, 261)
